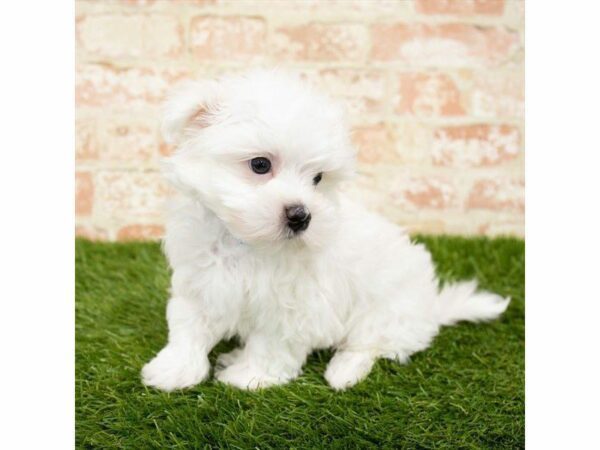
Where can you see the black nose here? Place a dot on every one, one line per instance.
(298, 217)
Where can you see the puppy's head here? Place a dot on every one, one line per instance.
(262, 151)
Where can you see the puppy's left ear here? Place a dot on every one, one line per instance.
(190, 107)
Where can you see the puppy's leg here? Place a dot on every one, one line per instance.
(227, 359)
(347, 368)
(382, 333)
(183, 362)
(262, 362)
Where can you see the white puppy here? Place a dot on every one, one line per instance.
(264, 247)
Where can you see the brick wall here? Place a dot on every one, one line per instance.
(434, 89)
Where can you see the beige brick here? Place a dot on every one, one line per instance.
(84, 193)
(421, 193)
(375, 144)
(228, 38)
(361, 91)
(497, 94)
(500, 194)
(140, 232)
(500, 227)
(413, 141)
(461, 7)
(130, 36)
(128, 142)
(327, 7)
(86, 140)
(105, 85)
(321, 42)
(431, 226)
(130, 195)
(91, 232)
(514, 14)
(428, 94)
(199, 2)
(444, 45)
(475, 145)
(139, 2)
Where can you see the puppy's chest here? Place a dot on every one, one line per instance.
(294, 299)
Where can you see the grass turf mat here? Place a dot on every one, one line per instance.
(465, 391)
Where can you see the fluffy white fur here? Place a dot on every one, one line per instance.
(352, 280)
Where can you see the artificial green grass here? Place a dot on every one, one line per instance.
(465, 391)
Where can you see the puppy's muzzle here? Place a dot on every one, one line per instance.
(298, 217)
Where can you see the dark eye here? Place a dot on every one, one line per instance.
(260, 165)
(317, 178)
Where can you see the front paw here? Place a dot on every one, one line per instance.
(243, 376)
(175, 368)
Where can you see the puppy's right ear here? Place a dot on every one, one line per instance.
(190, 107)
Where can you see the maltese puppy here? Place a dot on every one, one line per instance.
(263, 246)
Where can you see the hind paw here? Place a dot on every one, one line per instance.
(348, 368)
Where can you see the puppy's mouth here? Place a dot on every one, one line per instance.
(290, 235)
(295, 231)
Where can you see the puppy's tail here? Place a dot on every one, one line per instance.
(460, 301)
